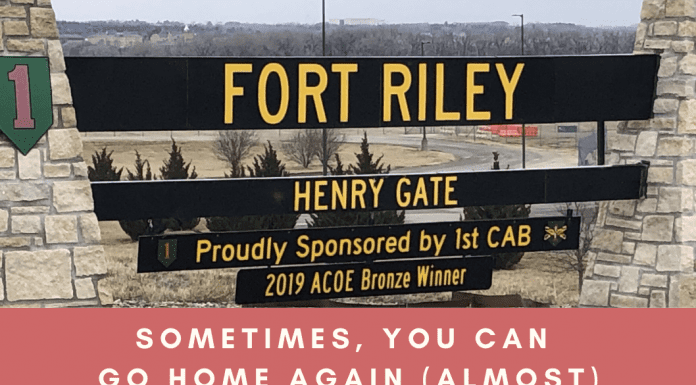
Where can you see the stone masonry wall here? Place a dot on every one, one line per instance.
(50, 254)
(642, 254)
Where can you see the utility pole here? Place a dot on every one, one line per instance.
(324, 139)
(524, 134)
(424, 142)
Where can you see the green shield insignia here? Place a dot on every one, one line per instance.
(166, 251)
(25, 100)
(555, 232)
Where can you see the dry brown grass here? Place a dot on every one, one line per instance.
(182, 286)
(538, 277)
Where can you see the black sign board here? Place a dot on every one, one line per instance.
(360, 279)
(221, 197)
(351, 244)
(151, 94)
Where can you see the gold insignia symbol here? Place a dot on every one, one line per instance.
(555, 232)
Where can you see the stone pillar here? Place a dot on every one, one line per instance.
(642, 254)
(50, 254)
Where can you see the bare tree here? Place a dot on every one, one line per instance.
(232, 146)
(303, 146)
(307, 144)
(334, 141)
(576, 260)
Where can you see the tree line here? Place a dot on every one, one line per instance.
(238, 39)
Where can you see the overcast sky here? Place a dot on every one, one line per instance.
(584, 12)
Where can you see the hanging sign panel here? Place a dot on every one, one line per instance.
(151, 94)
(360, 279)
(257, 196)
(358, 243)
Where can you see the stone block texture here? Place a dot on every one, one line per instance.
(50, 255)
(644, 250)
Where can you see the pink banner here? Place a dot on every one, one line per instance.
(346, 346)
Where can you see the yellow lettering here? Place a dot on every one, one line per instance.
(339, 193)
(524, 232)
(347, 243)
(422, 90)
(420, 193)
(357, 243)
(365, 281)
(302, 195)
(344, 69)
(436, 188)
(284, 93)
(473, 89)
(315, 284)
(509, 85)
(318, 194)
(449, 189)
(509, 237)
(315, 91)
(349, 279)
(390, 247)
(215, 250)
(228, 253)
(403, 199)
(359, 189)
(317, 249)
(492, 244)
(327, 289)
(200, 250)
(338, 281)
(244, 257)
(375, 191)
(467, 241)
(369, 245)
(440, 113)
(230, 89)
(300, 243)
(398, 91)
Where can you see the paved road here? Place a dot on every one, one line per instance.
(470, 156)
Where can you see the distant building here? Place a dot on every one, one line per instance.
(364, 21)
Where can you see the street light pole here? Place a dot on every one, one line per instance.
(324, 139)
(424, 142)
(524, 133)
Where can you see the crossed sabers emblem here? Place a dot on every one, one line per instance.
(556, 233)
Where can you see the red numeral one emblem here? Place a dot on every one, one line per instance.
(20, 76)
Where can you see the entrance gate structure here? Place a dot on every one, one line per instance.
(272, 93)
(51, 255)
